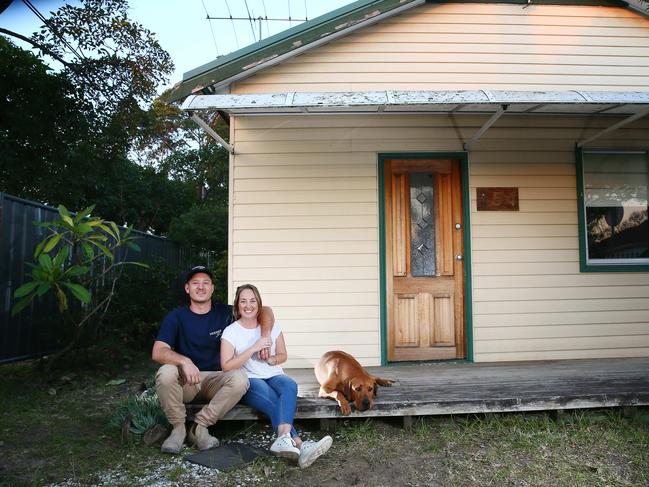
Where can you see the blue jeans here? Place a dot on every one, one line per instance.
(275, 397)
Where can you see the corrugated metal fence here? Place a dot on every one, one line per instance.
(30, 333)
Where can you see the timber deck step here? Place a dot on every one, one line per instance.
(463, 388)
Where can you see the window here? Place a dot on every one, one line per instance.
(614, 228)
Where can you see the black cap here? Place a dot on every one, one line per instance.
(197, 269)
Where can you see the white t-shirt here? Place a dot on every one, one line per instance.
(242, 339)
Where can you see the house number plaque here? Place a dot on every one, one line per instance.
(497, 199)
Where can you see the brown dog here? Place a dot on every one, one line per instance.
(342, 378)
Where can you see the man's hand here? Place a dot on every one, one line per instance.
(163, 354)
(190, 373)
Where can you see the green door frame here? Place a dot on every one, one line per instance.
(463, 157)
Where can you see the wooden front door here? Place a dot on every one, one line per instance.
(425, 261)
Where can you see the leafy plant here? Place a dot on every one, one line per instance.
(139, 413)
(76, 259)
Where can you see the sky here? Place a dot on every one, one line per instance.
(182, 28)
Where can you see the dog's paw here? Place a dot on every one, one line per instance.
(345, 409)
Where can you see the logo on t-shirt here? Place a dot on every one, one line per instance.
(216, 334)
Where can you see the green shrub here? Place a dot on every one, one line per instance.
(75, 265)
(138, 414)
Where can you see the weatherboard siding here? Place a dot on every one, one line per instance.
(469, 46)
(304, 228)
(529, 299)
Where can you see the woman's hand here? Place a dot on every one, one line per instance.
(263, 342)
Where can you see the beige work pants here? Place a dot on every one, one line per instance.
(221, 391)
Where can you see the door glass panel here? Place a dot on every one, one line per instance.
(422, 224)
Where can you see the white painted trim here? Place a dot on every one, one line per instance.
(467, 145)
(616, 126)
(458, 102)
(205, 126)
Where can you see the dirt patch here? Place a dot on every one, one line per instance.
(387, 456)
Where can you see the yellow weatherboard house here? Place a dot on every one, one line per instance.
(414, 180)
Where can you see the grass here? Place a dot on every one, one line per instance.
(58, 428)
(583, 448)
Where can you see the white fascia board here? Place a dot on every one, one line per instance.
(470, 101)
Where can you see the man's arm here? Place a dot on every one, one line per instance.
(280, 352)
(266, 321)
(163, 354)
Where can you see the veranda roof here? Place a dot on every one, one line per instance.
(629, 105)
(466, 101)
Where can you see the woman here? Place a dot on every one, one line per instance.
(271, 391)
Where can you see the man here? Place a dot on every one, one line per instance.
(188, 346)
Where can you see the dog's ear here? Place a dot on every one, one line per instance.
(375, 390)
(383, 382)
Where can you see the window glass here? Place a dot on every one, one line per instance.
(615, 203)
(422, 224)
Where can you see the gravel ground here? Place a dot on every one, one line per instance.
(174, 470)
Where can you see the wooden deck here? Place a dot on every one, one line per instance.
(461, 388)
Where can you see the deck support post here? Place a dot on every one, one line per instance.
(558, 415)
(328, 424)
(629, 411)
(407, 423)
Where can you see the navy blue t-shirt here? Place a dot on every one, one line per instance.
(197, 336)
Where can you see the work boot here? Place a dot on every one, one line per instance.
(174, 443)
(201, 438)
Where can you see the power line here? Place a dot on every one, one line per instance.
(211, 29)
(259, 19)
(79, 55)
(232, 21)
(266, 15)
(252, 27)
(284, 19)
(251, 19)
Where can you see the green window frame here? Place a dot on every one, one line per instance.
(612, 196)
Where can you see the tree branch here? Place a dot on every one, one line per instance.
(38, 46)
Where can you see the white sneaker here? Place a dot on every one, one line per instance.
(311, 451)
(284, 446)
